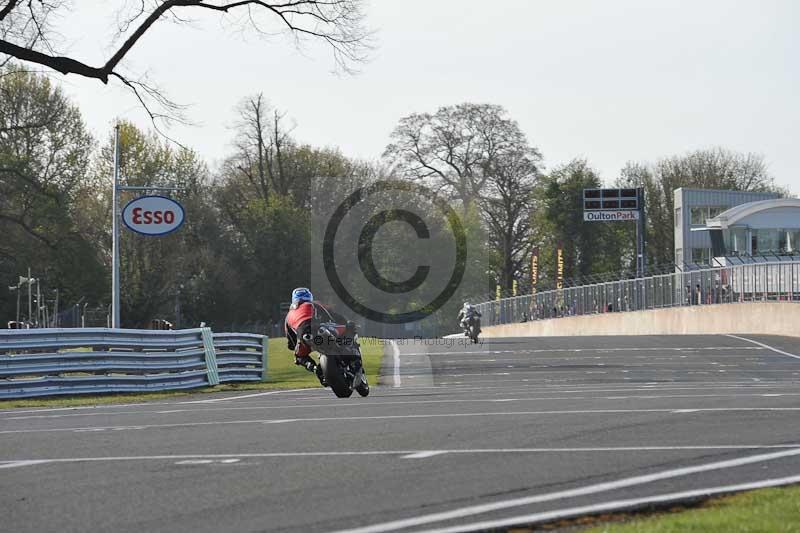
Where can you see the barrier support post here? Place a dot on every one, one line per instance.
(211, 356)
(264, 359)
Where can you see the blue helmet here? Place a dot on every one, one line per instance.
(301, 294)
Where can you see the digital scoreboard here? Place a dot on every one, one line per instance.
(608, 205)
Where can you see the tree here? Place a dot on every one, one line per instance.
(260, 146)
(455, 148)
(715, 168)
(268, 160)
(480, 157)
(44, 151)
(28, 29)
(507, 210)
(266, 192)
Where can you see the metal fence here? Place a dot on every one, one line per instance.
(45, 362)
(776, 281)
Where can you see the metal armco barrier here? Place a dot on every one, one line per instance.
(772, 281)
(240, 357)
(45, 362)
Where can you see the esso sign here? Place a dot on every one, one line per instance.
(153, 215)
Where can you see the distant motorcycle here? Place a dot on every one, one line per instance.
(340, 359)
(472, 328)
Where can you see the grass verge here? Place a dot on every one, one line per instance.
(773, 510)
(283, 374)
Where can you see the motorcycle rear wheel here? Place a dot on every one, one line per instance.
(473, 334)
(335, 379)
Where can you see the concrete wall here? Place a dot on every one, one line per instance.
(741, 318)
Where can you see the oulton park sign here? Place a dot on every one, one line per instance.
(609, 216)
(153, 215)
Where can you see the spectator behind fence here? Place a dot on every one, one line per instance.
(160, 324)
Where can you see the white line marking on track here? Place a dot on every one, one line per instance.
(207, 461)
(579, 350)
(395, 417)
(423, 455)
(541, 388)
(390, 402)
(270, 393)
(764, 346)
(396, 357)
(473, 510)
(548, 516)
(416, 454)
(17, 464)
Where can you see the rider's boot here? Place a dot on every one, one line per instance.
(320, 376)
(308, 363)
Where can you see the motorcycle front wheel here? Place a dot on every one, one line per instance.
(363, 387)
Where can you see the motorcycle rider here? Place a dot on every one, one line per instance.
(466, 314)
(304, 314)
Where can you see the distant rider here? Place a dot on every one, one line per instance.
(304, 317)
(468, 312)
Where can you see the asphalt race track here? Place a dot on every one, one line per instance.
(459, 438)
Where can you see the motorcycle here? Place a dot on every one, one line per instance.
(472, 328)
(340, 360)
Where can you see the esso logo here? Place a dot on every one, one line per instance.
(153, 215)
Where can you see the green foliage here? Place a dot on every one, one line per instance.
(44, 151)
(272, 257)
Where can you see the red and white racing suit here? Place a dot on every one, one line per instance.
(299, 320)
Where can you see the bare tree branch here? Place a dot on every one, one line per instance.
(24, 35)
(7, 9)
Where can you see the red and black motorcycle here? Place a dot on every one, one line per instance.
(339, 358)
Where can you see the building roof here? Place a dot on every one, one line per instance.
(729, 191)
(735, 214)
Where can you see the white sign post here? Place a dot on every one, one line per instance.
(115, 238)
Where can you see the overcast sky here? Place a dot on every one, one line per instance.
(610, 81)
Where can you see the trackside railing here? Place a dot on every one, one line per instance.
(241, 357)
(775, 281)
(45, 362)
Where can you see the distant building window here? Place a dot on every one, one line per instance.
(735, 241)
(678, 217)
(698, 215)
(769, 241)
(793, 240)
(701, 256)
